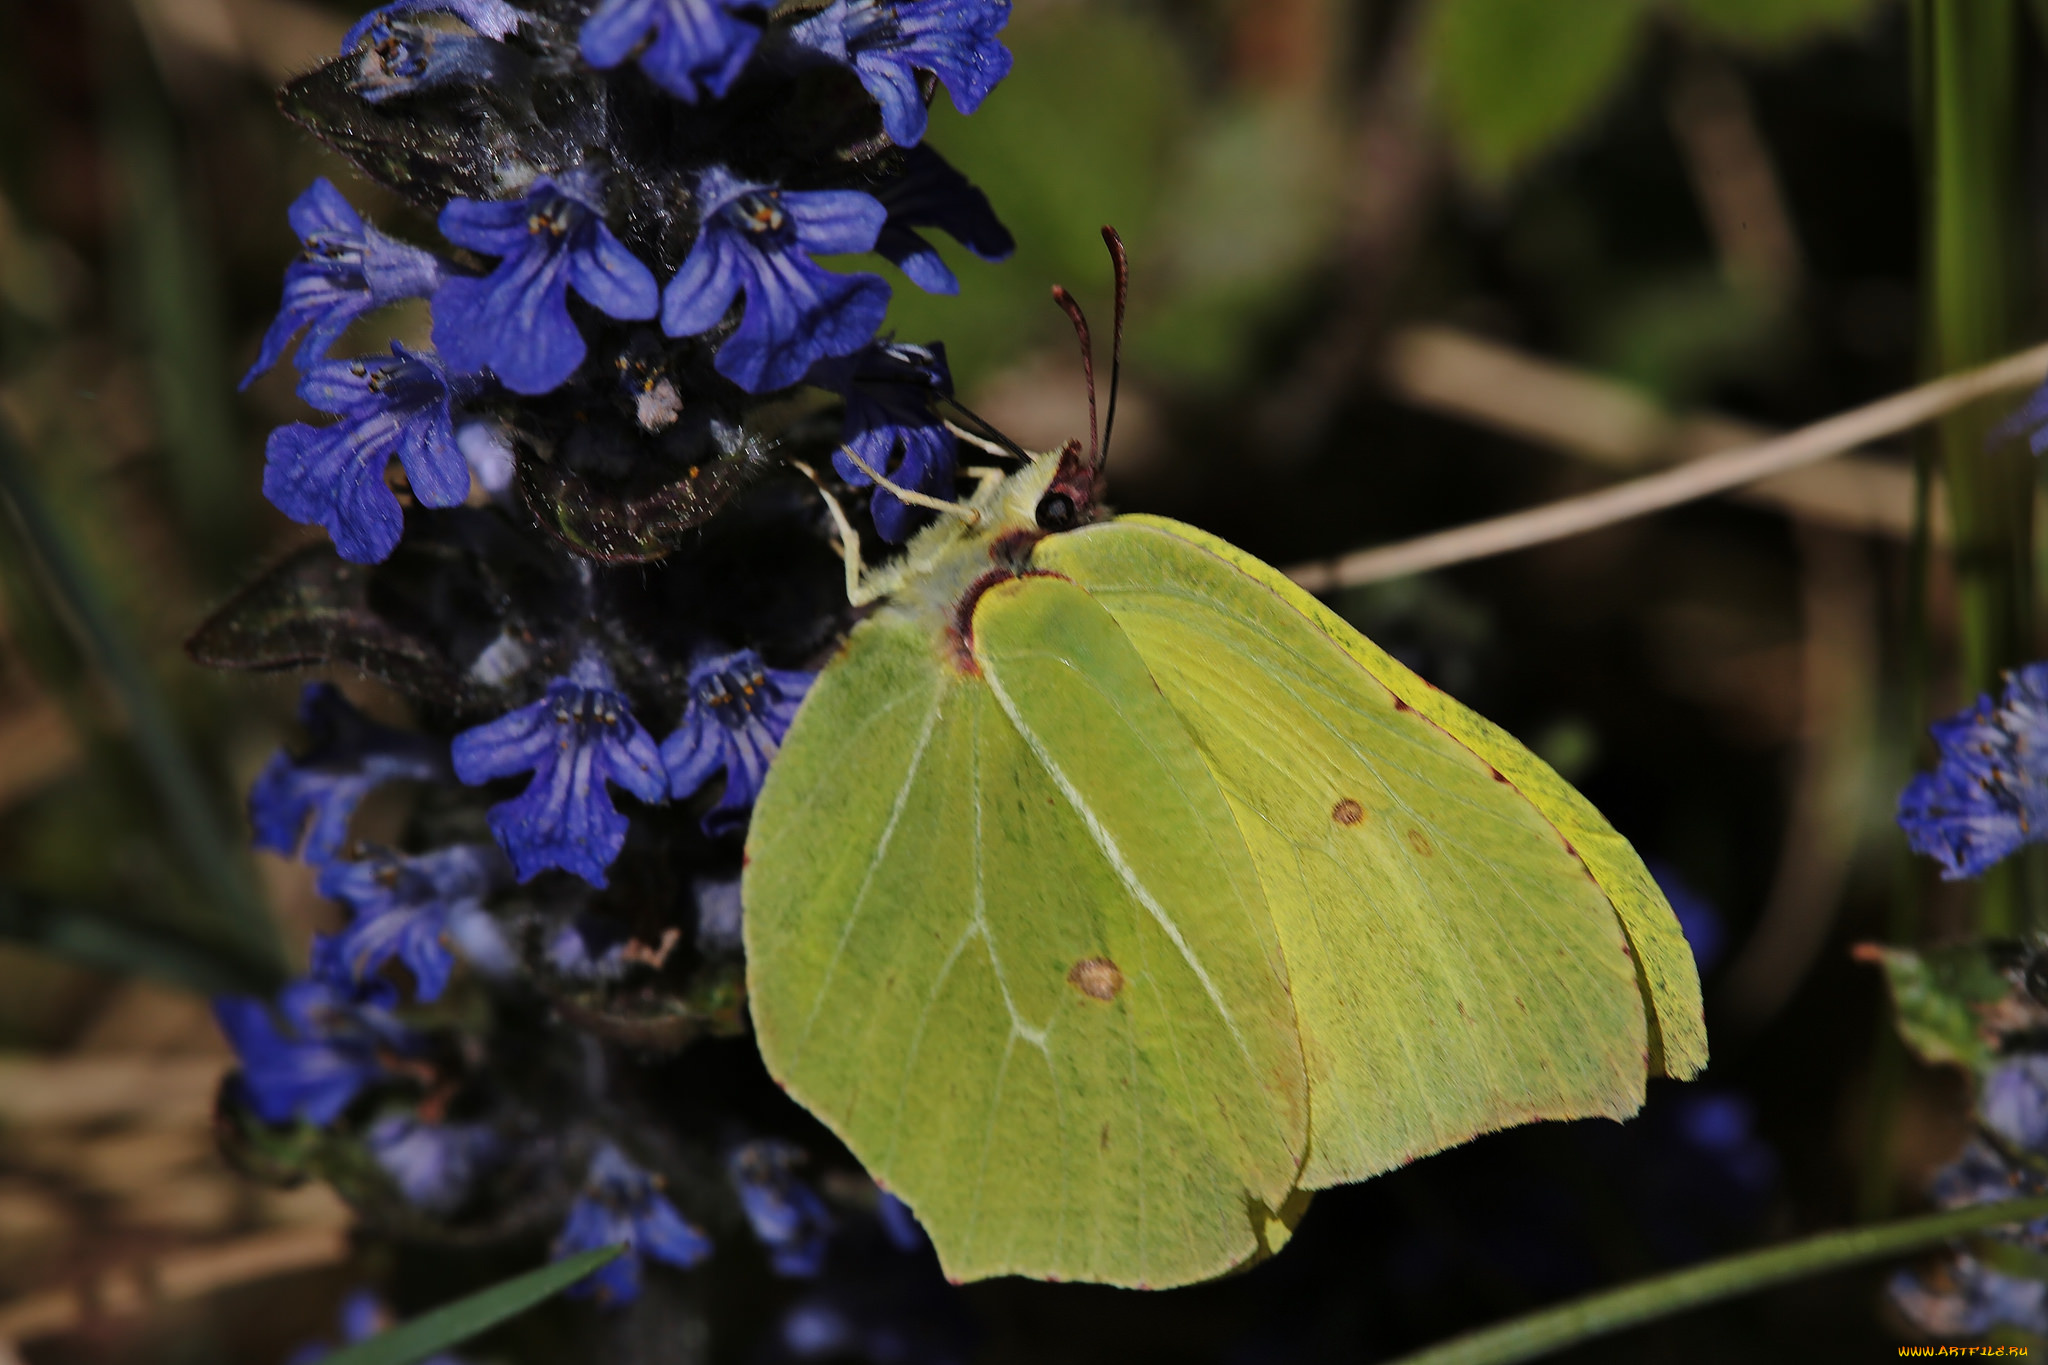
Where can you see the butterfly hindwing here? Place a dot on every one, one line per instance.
(1455, 966)
(1664, 962)
(1065, 1042)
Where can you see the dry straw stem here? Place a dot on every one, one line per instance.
(1655, 492)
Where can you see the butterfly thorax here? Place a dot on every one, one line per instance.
(948, 565)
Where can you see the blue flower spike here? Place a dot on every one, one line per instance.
(1988, 793)
(345, 269)
(323, 1045)
(887, 42)
(758, 240)
(398, 405)
(621, 1203)
(303, 805)
(786, 1213)
(415, 909)
(575, 740)
(434, 1165)
(890, 425)
(689, 48)
(930, 193)
(515, 322)
(738, 712)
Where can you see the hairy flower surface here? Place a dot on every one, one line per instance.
(1988, 793)
(575, 740)
(515, 321)
(333, 476)
(320, 1048)
(738, 712)
(757, 239)
(621, 1203)
(303, 804)
(689, 48)
(433, 1164)
(887, 44)
(930, 193)
(889, 387)
(345, 269)
(414, 909)
(786, 1213)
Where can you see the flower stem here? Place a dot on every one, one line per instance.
(1595, 1315)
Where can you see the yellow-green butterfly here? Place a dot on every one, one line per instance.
(1110, 893)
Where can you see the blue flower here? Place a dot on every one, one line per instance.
(890, 425)
(309, 799)
(622, 1204)
(1968, 1299)
(333, 476)
(887, 44)
(1987, 794)
(492, 18)
(515, 322)
(899, 1224)
(346, 268)
(930, 193)
(588, 948)
(319, 1049)
(412, 908)
(786, 1214)
(738, 712)
(691, 46)
(362, 1317)
(574, 740)
(401, 58)
(2015, 1102)
(433, 1164)
(758, 240)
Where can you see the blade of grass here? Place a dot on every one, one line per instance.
(113, 942)
(1968, 85)
(181, 790)
(1597, 1315)
(164, 277)
(452, 1324)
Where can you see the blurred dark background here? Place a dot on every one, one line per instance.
(1395, 266)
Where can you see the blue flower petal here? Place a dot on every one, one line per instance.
(578, 737)
(1988, 794)
(738, 712)
(308, 801)
(491, 18)
(693, 47)
(889, 41)
(758, 240)
(334, 476)
(515, 322)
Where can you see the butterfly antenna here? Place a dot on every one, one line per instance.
(1072, 309)
(1115, 244)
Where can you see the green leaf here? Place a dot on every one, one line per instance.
(1772, 23)
(1937, 997)
(452, 1324)
(1597, 1315)
(1514, 77)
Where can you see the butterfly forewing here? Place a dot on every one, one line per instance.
(1066, 1046)
(1455, 967)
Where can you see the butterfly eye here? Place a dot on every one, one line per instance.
(1055, 512)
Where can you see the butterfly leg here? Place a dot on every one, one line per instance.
(857, 592)
(980, 443)
(911, 495)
